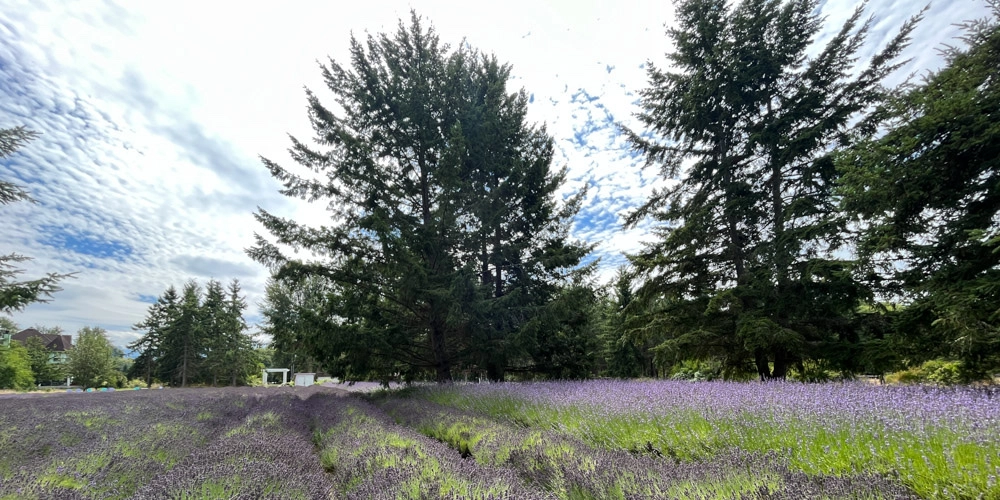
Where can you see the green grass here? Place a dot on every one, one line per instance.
(931, 459)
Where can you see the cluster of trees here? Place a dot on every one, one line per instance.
(815, 218)
(196, 336)
(810, 198)
(448, 249)
(92, 362)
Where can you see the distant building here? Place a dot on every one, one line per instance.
(57, 345)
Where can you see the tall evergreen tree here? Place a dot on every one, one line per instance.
(236, 345)
(296, 317)
(213, 320)
(160, 317)
(745, 268)
(443, 204)
(182, 346)
(926, 195)
(15, 295)
(626, 354)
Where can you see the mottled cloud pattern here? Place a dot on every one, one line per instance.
(146, 172)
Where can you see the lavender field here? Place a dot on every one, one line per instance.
(597, 440)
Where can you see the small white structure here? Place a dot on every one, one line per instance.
(284, 375)
(304, 379)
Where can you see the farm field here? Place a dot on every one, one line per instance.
(597, 439)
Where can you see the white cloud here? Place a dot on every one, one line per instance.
(153, 115)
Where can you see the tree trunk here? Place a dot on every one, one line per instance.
(763, 369)
(442, 364)
(781, 363)
(495, 372)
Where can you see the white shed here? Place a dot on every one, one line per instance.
(304, 379)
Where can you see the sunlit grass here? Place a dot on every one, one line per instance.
(937, 459)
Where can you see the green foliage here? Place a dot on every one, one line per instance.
(935, 371)
(696, 370)
(745, 267)
(625, 355)
(15, 368)
(450, 245)
(195, 337)
(92, 361)
(15, 295)
(925, 196)
(294, 313)
(812, 371)
(8, 325)
(44, 370)
(563, 340)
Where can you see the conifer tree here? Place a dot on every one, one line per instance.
(744, 267)
(160, 317)
(237, 347)
(15, 295)
(446, 236)
(182, 346)
(926, 195)
(213, 320)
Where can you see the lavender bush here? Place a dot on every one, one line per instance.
(939, 442)
(158, 444)
(371, 457)
(568, 467)
(599, 440)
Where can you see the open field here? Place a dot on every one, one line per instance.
(600, 439)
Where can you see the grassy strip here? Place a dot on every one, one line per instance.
(945, 459)
(569, 468)
(370, 457)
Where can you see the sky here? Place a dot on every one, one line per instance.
(153, 116)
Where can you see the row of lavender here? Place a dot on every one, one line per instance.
(553, 440)
(248, 443)
(855, 440)
(162, 444)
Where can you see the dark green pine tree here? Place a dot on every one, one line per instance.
(160, 317)
(413, 252)
(927, 197)
(15, 295)
(625, 354)
(233, 339)
(296, 316)
(515, 233)
(183, 341)
(213, 320)
(744, 268)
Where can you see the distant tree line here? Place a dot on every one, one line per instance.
(196, 337)
(815, 221)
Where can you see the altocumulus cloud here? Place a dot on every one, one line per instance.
(146, 173)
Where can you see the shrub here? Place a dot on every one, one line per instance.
(136, 382)
(935, 371)
(15, 368)
(696, 370)
(811, 371)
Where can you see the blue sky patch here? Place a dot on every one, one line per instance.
(147, 299)
(85, 243)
